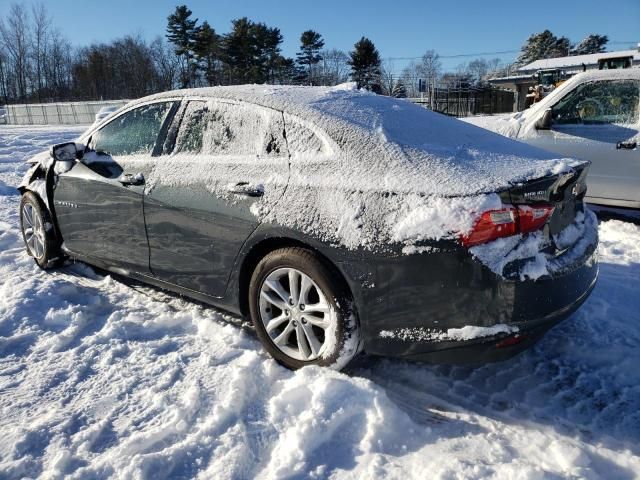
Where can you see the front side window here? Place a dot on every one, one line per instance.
(132, 133)
(604, 102)
(229, 129)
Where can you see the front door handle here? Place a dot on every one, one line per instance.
(131, 179)
(247, 189)
(626, 145)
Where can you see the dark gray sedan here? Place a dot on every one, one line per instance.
(337, 220)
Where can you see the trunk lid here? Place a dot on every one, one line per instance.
(565, 191)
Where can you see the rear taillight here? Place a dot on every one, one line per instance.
(533, 217)
(507, 221)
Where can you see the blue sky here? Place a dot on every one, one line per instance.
(399, 29)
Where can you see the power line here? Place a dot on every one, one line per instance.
(503, 52)
(458, 55)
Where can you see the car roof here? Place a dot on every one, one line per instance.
(393, 144)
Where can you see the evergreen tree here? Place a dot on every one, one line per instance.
(206, 49)
(238, 51)
(591, 44)
(251, 52)
(267, 41)
(365, 65)
(543, 45)
(399, 90)
(181, 31)
(284, 71)
(310, 45)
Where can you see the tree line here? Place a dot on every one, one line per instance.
(38, 63)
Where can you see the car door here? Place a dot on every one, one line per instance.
(99, 201)
(598, 121)
(227, 169)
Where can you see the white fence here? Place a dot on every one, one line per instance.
(68, 113)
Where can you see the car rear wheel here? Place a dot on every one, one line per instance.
(302, 311)
(37, 232)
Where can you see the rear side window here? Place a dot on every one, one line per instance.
(604, 102)
(132, 133)
(302, 140)
(218, 128)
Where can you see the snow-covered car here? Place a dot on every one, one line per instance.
(104, 112)
(336, 219)
(592, 116)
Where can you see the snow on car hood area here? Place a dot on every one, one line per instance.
(101, 378)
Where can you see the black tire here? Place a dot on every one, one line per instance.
(51, 255)
(335, 354)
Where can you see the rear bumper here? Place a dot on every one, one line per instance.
(500, 347)
(451, 290)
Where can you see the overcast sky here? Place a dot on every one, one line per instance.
(398, 29)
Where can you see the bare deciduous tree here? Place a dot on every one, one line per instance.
(387, 78)
(333, 68)
(41, 24)
(14, 36)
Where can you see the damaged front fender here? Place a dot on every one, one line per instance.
(40, 179)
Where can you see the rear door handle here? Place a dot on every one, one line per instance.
(131, 179)
(247, 189)
(626, 145)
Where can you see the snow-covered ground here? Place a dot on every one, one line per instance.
(104, 378)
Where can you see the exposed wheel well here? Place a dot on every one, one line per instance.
(258, 252)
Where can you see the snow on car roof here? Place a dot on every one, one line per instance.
(577, 60)
(394, 145)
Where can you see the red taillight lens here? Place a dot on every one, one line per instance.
(533, 217)
(507, 221)
(491, 225)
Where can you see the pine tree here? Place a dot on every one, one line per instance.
(251, 52)
(543, 45)
(239, 51)
(311, 44)
(399, 90)
(181, 31)
(206, 50)
(591, 44)
(365, 65)
(267, 42)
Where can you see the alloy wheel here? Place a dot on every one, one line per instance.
(296, 314)
(34, 233)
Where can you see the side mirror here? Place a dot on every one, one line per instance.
(544, 122)
(64, 152)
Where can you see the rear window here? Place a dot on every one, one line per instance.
(302, 140)
(230, 129)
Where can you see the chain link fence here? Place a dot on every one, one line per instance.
(464, 102)
(67, 113)
(450, 101)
